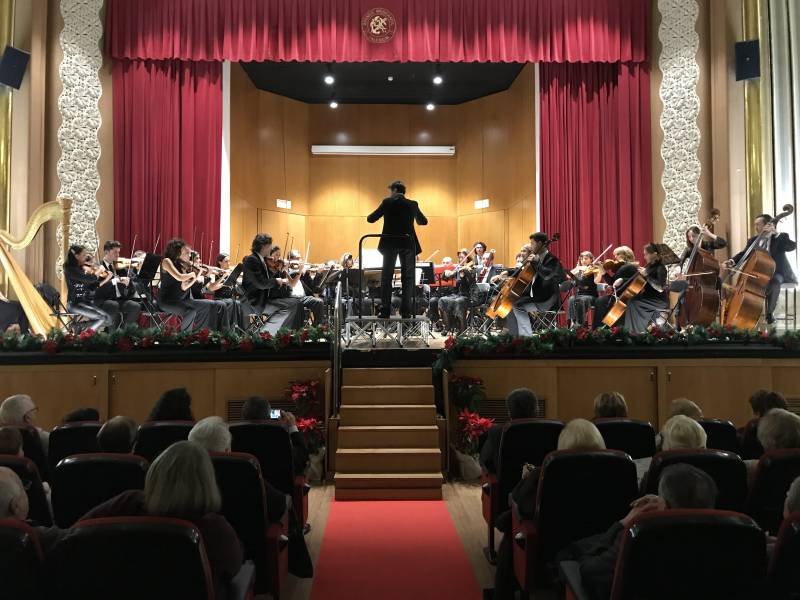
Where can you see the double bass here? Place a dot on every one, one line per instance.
(701, 298)
(514, 287)
(745, 297)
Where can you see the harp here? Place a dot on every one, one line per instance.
(40, 315)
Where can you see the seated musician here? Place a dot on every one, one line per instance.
(646, 307)
(453, 307)
(268, 292)
(777, 244)
(585, 286)
(488, 269)
(12, 316)
(175, 292)
(480, 250)
(624, 267)
(543, 294)
(442, 287)
(83, 279)
(115, 297)
(226, 313)
(306, 287)
(223, 264)
(710, 242)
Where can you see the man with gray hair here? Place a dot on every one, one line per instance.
(20, 411)
(211, 433)
(14, 505)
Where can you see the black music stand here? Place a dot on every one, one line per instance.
(143, 284)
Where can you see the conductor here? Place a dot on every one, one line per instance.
(399, 214)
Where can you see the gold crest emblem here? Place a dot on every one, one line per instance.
(378, 25)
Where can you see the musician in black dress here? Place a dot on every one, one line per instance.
(225, 312)
(175, 291)
(115, 298)
(710, 242)
(453, 307)
(777, 244)
(648, 306)
(585, 286)
(623, 267)
(83, 280)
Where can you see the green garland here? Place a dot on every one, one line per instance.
(549, 341)
(132, 338)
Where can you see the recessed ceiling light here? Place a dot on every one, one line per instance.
(437, 80)
(390, 78)
(430, 106)
(329, 79)
(333, 104)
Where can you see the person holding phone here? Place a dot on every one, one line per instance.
(257, 408)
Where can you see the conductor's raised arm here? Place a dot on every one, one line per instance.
(418, 216)
(376, 214)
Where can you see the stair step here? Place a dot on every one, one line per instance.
(388, 460)
(400, 376)
(370, 494)
(387, 414)
(388, 436)
(387, 394)
(388, 480)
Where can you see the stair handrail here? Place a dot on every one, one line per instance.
(336, 349)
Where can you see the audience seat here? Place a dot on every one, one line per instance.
(726, 469)
(38, 506)
(775, 472)
(129, 558)
(32, 447)
(721, 435)
(156, 436)
(580, 494)
(637, 438)
(686, 554)
(244, 505)
(270, 443)
(72, 438)
(21, 566)
(523, 441)
(783, 574)
(83, 481)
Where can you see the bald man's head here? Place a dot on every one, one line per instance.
(13, 499)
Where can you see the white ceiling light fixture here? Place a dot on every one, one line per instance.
(282, 203)
(437, 80)
(430, 106)
(349, 150)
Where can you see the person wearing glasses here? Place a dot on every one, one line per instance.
(20, 411)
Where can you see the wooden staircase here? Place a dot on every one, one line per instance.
(388, 441)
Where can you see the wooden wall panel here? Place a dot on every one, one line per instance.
(490, 227)
(278, 224)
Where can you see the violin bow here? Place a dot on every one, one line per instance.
(434, 253)
(155, 246)
(133, 248)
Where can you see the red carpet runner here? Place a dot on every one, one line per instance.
(392, 550)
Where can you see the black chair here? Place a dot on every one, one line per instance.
(522, 441)
(561, 514)
(33, 449)
(22, 564)
(244, 505)
(156, 436)
(72, 438)
(783, 575)
(686, 554)
(721, 435)
(636, 438)
(129, 558)
(83, 481)
(38, 507)
(270, 443)
(775, 472)
(726, 469)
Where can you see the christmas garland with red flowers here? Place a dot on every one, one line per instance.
(549, 341)
(134, 339)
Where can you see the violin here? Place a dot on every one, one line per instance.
(276, 264)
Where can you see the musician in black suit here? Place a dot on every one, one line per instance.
(777, 244)
(264, 290)
(115, 297)
(399, 214)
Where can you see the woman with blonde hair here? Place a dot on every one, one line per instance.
(680, 432)
(181, 484)
(580, 434)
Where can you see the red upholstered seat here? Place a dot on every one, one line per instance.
(783, 573)
(21, 564)
(72, 438)
(637, 438)
(721, 435)
(775, 472)
(156, 436)
(38, 507)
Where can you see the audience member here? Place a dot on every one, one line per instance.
(680, 486)
(761, 402)
(777, 429)
(792, 504)
(257, 408)
(679, 432)
(14, 505)
(81, 414)
(211, 433)
(20, 411)
(118, 434)
(610, 405)
(521, 404)
(11, 441)
(684, 406)
(174, 405)
(181, 484)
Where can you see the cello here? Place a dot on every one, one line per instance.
(514, 287)
(701, 298)
(633, 287)
(745, 297)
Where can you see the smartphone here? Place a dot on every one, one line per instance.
(274, 414)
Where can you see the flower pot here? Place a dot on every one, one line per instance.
(316, 466)
(468, 465)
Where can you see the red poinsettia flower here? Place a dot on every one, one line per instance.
(50, 346)
(304, 335)
(449, 343)
(147, 342)
(266, 336)
(124, 344)
(203, 335)
(582, 333)
(284, 340)
(87, 335)
(246, 345)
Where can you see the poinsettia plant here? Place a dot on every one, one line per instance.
(312, 433)
(467, 392)
(469, 430)
(305, 396)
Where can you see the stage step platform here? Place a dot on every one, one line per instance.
(388, 440)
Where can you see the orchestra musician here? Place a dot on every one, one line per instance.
(480, 250)
(12, 316)
(646, 307)
(83, 279)
(115, 297)
(584, 275)
(223, 265)
(710, 242)
(225, 313)
(267, 291)
(399, 215)
(175, 292)
(306, 287)
(453, 307)
(777, 244)
(488, 269)
(443, 286)
(622, 268)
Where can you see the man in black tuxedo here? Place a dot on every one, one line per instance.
(115, 298)
(777, 244)
(262, 289)
(399, 214)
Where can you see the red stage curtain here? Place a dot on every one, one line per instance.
(427, 30)
(167, 151)
(595, 156)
